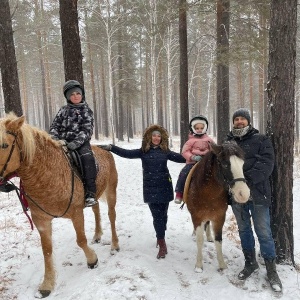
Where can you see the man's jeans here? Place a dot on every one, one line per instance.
(261, 221)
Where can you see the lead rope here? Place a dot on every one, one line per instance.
(20, 192)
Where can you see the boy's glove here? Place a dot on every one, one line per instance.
(72, 146)
(196, 158)
(105, 147)
(62, 142)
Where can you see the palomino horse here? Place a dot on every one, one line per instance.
(206, 193)
(52, 189)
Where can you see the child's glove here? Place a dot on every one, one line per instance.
(62, 142)
(196, 158)
(105, 147)
(72, 146)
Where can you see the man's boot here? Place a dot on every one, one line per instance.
(162, 248)
(251, 265)
(273, 276)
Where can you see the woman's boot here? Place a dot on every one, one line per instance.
(162, 248)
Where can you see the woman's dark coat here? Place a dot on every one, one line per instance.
(157, 182)
(259, 164)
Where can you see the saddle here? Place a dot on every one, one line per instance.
(75, 162)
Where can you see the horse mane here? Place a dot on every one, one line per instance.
(230, 148)
(29, 135)
(209, 162)
(204, 168)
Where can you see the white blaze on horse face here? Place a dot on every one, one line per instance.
(240, 190)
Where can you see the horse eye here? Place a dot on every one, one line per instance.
(225, 165)
(4, 145)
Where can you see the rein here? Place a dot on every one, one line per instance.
(9, 155)
(20, 191)
(230, 183)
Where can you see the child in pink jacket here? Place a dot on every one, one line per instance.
(193, 150)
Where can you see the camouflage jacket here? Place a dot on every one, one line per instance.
(73, 123)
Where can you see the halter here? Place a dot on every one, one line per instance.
(233, 181)
(10, 154)
(230, 183)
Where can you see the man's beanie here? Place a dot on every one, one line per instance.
(242, 112)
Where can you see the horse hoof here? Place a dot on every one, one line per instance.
(42, 294)
(114, 251)
(96, 241)
(198, 270)
(93, 265)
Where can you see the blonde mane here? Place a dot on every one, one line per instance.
(28, 134)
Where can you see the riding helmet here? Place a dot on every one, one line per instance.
(70, 84)
(198, 119)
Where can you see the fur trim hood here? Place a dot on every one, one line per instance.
(147, 137)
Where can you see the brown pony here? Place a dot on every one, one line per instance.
(206, 194)
(52, 189)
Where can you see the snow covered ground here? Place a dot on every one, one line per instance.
(134, 272)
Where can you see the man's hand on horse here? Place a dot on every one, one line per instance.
(7, 187)
(105, 147)
(196, 158)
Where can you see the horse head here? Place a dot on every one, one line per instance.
(231, 159)
(10, 149)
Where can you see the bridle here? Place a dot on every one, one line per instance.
(15, 142)
(232, 182)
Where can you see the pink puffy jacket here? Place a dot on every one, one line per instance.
(196, 145)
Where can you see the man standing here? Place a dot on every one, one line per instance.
(258, 166)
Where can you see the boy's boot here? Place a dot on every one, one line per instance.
(90, 199)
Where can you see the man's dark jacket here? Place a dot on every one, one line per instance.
(259, 164)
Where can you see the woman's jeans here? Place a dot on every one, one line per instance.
(261, 221)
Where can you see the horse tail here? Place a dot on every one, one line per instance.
(187, 182)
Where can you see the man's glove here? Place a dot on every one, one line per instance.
(7, 187)
(72, 146)
(196, 158)
(105, 147)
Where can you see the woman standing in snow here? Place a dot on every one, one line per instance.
(157, 182)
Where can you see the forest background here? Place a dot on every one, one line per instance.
(136, 42)
(131, 55)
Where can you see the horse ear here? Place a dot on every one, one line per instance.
(15, 124)
(215, 148)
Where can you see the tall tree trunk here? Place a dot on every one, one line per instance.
(184, 81)
(92, 80)
(70, 40)
(223, 18)
(8, 63)
(46, 118)
(281, 114)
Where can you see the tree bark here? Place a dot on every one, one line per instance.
(8, 63)
(281, 113)
(70, 40)
(223, 19)
(184, 106)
